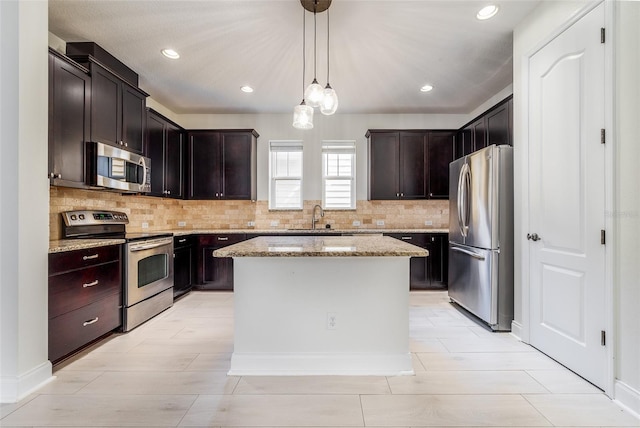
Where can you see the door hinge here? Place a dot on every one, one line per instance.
(602, 35)
(603, 138)
(603, 338)
(602, 237)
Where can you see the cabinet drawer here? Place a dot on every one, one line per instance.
(418, 239)
(70, 260)
(221, 240)
(78, 288)
(183, 241)
(71, 331)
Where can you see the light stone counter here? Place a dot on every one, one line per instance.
(182, 232)
(321, 246)
(63, 245)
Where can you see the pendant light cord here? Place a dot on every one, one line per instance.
(304, 44)
(327, 46)
(315, 45)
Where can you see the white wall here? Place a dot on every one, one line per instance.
(336, 127)
(544, 22)
(24, 198)
(626, 214)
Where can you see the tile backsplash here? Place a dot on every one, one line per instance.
(165, 214)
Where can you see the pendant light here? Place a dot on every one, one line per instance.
(329, 103)
(314, 93)
(303, 114)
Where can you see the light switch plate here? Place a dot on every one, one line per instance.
(145, 225)
(275, 223)
(251, 223)
(182, 223)
(428, 223)
(380, 222)
(356, 223)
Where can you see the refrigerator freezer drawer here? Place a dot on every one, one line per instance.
(481, 281)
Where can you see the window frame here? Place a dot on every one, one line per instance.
(336, 147)
(294, 146)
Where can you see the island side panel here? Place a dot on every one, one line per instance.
(282, 305)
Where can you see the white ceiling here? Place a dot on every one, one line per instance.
(381, 51)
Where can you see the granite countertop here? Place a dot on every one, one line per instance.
(58, 246)
(182, 232)
(321, 246)
(63, 245)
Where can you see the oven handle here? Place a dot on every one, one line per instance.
(155, 244)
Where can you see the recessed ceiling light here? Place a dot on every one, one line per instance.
(170, 53)
(487, 12)
(246, 88)
(426, 88)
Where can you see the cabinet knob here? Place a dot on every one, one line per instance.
(126, 145)
(57, 176)
(397, 195)
(121, 143)
(168, 192)
(50, 175)
(402, 195)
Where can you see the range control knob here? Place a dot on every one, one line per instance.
(81, 216)
(74, 217)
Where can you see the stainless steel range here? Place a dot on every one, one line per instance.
(147, 262)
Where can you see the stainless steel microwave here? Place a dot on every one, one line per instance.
(113, 168)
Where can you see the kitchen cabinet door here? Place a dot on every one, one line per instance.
(440, 148)
(498, 125)
(479, 133)
(184, 265)
(106, 106)
(133, 118)
(464, 143)
(69, 126)
(438, 264)
(384, 163)
(204, 165)
(238, 162)
(215, 273)
(413, 165)
(165, 147)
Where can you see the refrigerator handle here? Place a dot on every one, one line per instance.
(463, 200)
(467, 196)
(468, 252)
(460, 201)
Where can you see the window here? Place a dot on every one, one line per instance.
(339, 175)
(285, 170)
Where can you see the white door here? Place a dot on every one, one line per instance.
(566, 198)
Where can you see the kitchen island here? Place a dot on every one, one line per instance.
(331, 305)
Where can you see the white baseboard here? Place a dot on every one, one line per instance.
(312, 364)
(516, 329)
(627, 397)
(15, 388)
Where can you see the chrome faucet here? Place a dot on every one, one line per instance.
(314, 220)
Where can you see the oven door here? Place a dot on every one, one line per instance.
(149, 269)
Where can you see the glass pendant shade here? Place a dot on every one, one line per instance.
(303, 116)
(329, 103)
(313, 94)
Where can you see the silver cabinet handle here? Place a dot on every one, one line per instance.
(407, 238)
(143, 247)
(220, 238)
(93, 321)
(182, 240)
(469, 253)
(91, 257)
(90, 284)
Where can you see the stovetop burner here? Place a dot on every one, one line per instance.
(102, 224)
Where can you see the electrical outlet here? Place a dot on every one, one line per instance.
(332, 320)
(356, 223)
(428, 223)
(275, 223)
(145, 225)
(380, 222)
(251, 223)
(182, 223)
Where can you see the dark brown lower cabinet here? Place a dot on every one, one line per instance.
(427, 273)
(215, 273)
(184, 267)
(85, 298)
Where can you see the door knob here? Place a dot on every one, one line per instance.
(534, 237)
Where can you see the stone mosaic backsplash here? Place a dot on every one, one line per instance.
(164, 213)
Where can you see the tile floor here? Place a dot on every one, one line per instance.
(172, 372)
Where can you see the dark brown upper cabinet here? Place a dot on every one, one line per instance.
(494, 126)
(69, 115)
(406, 164)
(166, 148)
(117, 110)
(222, 164)
(440, 153)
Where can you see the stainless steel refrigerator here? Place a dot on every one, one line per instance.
(481, 235)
